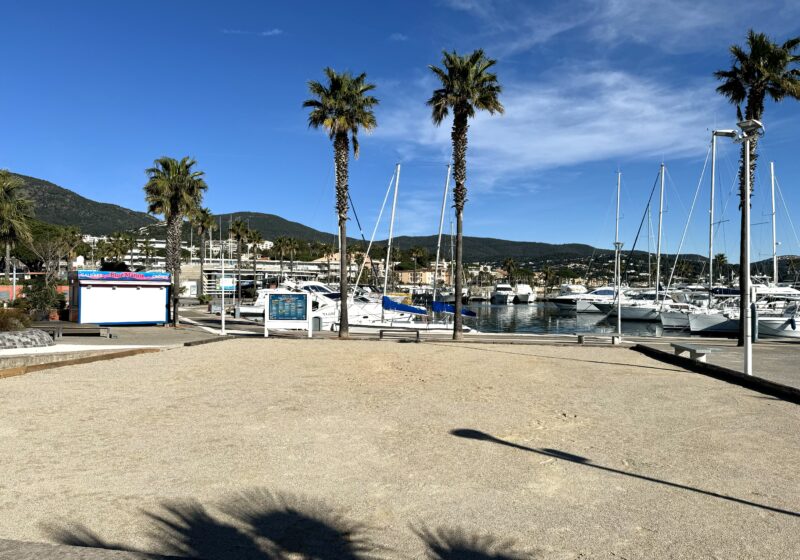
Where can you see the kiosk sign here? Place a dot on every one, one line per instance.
(287, 311)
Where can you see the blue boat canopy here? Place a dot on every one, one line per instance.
(441, 307)
(391, 305)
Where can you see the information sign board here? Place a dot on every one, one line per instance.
(287, 311)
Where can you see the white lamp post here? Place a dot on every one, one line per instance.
(750, 128)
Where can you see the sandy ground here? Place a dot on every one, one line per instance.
(262, 448)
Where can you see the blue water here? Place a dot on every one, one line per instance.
(545, 318)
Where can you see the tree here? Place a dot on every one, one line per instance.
(51, 246)
(720, 264)
(15, 215)
(417, 253)
(467, 86)
(764, 70)
(342, 106)
(73, 238)
(510, 266)
(147, 250)
(239, 230)
(204, 224)
(174, 189)
(280, 247)
(255, 238)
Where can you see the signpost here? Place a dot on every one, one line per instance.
(287, 311)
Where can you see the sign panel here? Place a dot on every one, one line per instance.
(108, 276)
(287, 311)
(227, 284)
(287, 307)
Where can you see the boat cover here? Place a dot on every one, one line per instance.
(391, 305)
(441, 307)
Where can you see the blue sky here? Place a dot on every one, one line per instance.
(92, 92)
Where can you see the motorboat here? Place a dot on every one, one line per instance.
(584, 302)
(502, 294)
(523, 293)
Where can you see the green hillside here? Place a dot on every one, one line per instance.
(56, 205)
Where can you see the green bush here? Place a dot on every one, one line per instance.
(41, 297)
(13, 320)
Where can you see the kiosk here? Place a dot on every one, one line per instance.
(119, 298)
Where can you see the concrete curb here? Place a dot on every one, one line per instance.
(783, 392)
(22, 370)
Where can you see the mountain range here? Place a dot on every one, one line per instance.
(60, 206)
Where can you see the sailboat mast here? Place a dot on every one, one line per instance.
(711, 221)
(441, 225)
(658, 241)
(391, 231)
(617, 264)
(774, 238)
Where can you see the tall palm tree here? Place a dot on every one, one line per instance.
(147, 250)
(510, 266)
(72, 239)
(174, 189)
(467, 86)
(342, 106)
(328, 249)
(204, 223)
(254, 238)
(15, 215)
(417, 253)
(763, 69)
(279, 247)
(239, 230)
(292, 246)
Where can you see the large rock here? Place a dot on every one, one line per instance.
(29, 338)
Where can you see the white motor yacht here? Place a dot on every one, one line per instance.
(583, 302)
(503, 294)
(524, 294)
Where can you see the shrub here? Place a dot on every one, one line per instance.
(13, 320)
(41, 297)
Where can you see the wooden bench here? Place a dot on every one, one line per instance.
(695, 352)
(399, 331)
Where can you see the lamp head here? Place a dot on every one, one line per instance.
(726, 133)
(751, 126)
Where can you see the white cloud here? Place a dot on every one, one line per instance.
(673, 26)
(398, 37)
(576, 118)
(266, 33)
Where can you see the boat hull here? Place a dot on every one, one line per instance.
(713, 323)
(674, 320)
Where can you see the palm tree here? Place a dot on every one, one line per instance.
(204, 223)
(467, 86)
(72, 239)
(255, 238)
(328, 249)
(766, 69)
(510, 266)
(147, 250)
(175, 190)
(417, 253)
(292, 245)
(279, 247)
(720, 264)
(15, 215)
(239, 230)
(342, 106)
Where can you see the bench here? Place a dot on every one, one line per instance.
(695, 352)
(55, 331)
(398, 331)
(615, 338)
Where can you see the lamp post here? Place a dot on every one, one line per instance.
(750, 128)
(714, 135)
(618, 280)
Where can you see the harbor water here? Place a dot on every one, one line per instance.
(545, 318)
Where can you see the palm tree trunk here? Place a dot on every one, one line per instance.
(459, 137)
(744, 198)
(8, 261)
(239, 271)
(173, 251)
(341, 152)
(202, 263)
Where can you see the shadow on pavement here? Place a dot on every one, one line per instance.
(262, 525)
(483, 436)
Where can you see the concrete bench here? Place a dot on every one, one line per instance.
(615, 338)
(382, 332)
(695, 352)
(55, 331)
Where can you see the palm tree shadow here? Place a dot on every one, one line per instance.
(260, 526)
(454, 544)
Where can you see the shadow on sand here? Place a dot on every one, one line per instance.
(261, 525)
(483, 436)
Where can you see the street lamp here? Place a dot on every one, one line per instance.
(750, 128)
(714, 135)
